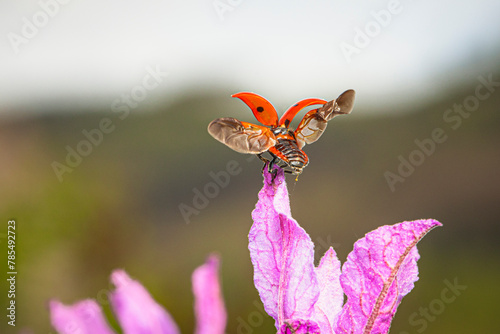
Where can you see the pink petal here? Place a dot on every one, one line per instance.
(208, 306)
(378, 273)
(282, 255)
(83, 317)
(300, 327)
(331, 296)
(137, 311)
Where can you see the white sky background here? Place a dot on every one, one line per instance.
(93, 51)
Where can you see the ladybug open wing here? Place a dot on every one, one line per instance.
(288, 116)
(340, 106)
(262, 109)
(315, 121)
(242, 137)
(310, 128)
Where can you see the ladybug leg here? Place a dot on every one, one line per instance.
(261, 157)
(270, 167)
(270, 164)
(264, 160)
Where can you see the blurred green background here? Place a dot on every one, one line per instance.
(120, 206)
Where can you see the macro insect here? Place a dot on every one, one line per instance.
(283, 144)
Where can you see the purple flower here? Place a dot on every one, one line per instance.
(303, 298)
(138, 313)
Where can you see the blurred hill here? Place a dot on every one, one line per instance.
(120, 206)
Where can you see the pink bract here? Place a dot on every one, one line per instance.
(380, 270)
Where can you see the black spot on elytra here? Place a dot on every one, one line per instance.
(287, 122)
(260, 109)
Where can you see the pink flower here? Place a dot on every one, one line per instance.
(303, 298)
(137, 311)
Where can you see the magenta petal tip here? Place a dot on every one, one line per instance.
(209, 306)
(83, 317)
(136, 310)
